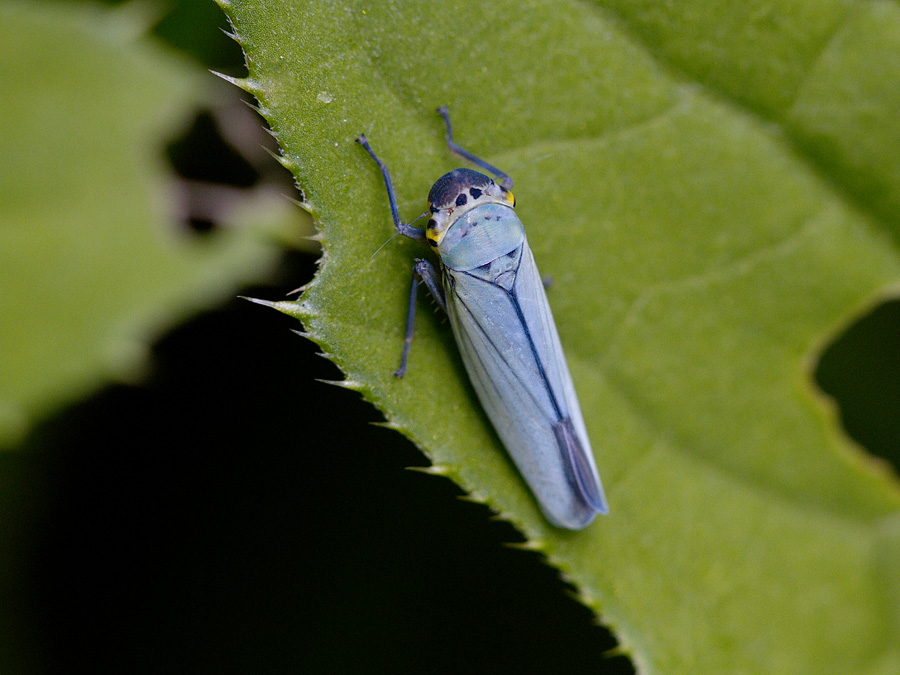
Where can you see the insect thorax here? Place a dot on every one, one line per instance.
(457, 192)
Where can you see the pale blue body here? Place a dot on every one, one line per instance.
(491, 289)
(505, 332)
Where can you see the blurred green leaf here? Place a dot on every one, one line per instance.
(93, 263)
(714, 189)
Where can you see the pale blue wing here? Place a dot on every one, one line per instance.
(511, 349)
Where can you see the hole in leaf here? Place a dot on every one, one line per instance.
(202, 153)
(220, 160)
(861, 371)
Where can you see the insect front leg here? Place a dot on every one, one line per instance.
(456, 149)
(402, 228)
(425, 271)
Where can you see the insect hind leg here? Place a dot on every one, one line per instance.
(425, 271)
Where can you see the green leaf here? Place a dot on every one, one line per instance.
(714, 189)
(93, 264)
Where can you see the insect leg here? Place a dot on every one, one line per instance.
(505, 181)
(425, 271)
(402, 228)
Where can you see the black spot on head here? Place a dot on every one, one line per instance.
(432, 224)
(448, 187)
(462, 199)
(475, 192)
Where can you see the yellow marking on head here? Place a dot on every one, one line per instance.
(510, 198)
(433, 236)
